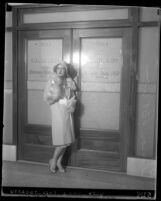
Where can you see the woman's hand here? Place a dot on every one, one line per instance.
(71, 104)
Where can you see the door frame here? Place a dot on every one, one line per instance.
(132, 22)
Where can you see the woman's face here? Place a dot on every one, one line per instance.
(61, 71)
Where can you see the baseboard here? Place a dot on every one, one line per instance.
(9, 152)
(141, 167)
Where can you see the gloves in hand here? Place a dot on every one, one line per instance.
(71, 104)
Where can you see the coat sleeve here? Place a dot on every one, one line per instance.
(51, 94)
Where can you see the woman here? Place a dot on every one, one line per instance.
(60, 94)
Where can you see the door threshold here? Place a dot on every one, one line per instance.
(73, 167)
(32, 162)
(98, 170)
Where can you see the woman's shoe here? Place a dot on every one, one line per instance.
(52, 166)
(60, 168)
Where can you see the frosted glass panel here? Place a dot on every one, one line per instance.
(7, 117)
(42, 56)
(101, 65)
(8, 19)
(145, 125)
(101, 61)
(149, 14)
(91, 86)
(148, 54)
(100, 110)
(76, 16)
(8, 56)
(38, 110)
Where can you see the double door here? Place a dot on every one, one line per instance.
(102, 59)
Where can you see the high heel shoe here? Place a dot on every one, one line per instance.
(52, 166)
(60, 168)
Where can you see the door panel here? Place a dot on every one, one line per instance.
(101, 110)
(98, 160)
(39, 51)
(102, 57)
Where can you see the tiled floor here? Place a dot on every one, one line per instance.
(38, 175)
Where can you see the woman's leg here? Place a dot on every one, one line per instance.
(53, 161)
(59, 165)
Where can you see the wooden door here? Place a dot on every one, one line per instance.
(102, 117)
(103, 59)
(38, 52)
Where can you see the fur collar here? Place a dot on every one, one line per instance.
(55, 79)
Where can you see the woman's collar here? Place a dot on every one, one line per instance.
(57, 79)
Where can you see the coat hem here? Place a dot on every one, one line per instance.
(58, 145)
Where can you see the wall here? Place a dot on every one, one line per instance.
(7, 116)
(144, 162)
(9, 150)
(148, 68)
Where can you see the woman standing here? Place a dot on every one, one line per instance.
(60, 94)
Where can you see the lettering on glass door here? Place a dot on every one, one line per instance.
(42, 56)
(101, 62)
